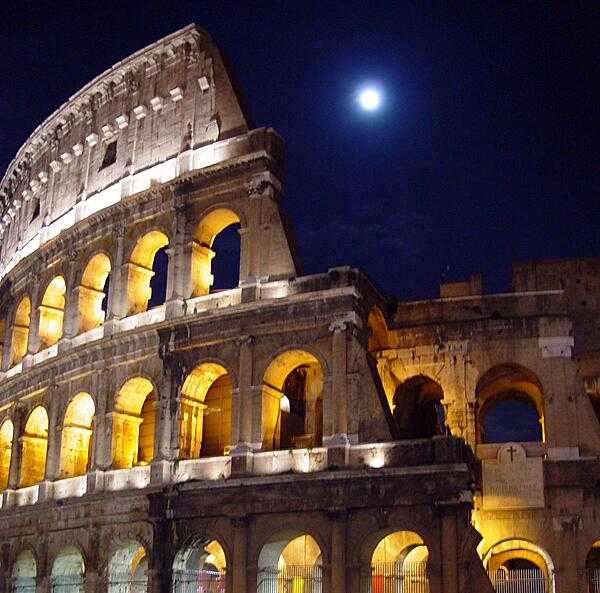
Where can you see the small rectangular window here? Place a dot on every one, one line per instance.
(110, 155)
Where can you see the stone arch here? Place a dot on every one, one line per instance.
(509, 389)
(52, 312)
(24, 572)
(205, 411)
(76, 438)
(200, 565)
(141, 269)
(417, 408)
(34, 448)
(378, 338)
(68, 570)
(127, 567)
(502, 556)
(212, 223)
(292, 400)
(134, 418)
(6, 441)
(592, 567)
(20, 331)
(93, 291)
(292, 557)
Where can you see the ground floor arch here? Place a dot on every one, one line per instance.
(134, 419)
(200, 566)
(68, 570)
(205, 412)
(24, 573)
(76, 438)
(292, 401)
(290, 561)
(127, 570)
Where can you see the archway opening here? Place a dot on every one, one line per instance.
(398, 564)
(68, 570)
(52, 312)
(128, 569)
(216, 244)
(145, 267)
(292, 401)
(92, 292)
(202, 566)
(510, 406)
(134, 420)
(34, 447)
(24, 573)
(20, 331)
(418, 409)
(205, 415)
(519, 565)
(290, 561)
(6, 440)
(592, 566)
(76, 438)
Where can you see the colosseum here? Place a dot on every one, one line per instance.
(163, 430)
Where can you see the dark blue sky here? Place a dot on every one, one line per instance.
(486, 151)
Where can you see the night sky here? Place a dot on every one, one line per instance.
(485, 151)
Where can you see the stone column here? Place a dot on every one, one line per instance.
(33, 342)
(238, 580)
(449, 545)
(116, 306)
(338, 552)
(245, 247)
(54, 445)
(71, 313)
(18, 419)
(7, 346)
(180, 266)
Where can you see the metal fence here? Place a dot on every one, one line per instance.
(291, 579)
(593, 577)
(23, 585)
(127, 583)
(396, 577)
(69, 583)
(199, 581)
(527, 580)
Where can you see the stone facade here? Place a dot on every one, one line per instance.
(292, 433)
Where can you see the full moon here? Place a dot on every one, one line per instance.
(369, 99)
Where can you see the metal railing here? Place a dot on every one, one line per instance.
(526, 580)
(23, 585)
(396, 577)
(199, 581)
(593, 578)
(126, 582)
(291, 579)
(68, 583)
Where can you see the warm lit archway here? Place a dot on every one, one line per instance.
(592, 567)
(68, 570)
(24, 573)
(141, 270)
(510, 406)
(52, 312)
(77, 436)
(418, 410)
(92, 292)
(20, 331)
(202, 253)
(397, 563)
(34, 447)
(128, 569)
(292, 401)
(133, 424)
(200, 566)
(6, 440)
(205, 415)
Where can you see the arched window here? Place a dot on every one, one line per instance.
(93, 292)
(52, 312)
(292, 401)
(133, 424)
(6, 440)
(397, 564)
(68, 570)
(204, 249)
(200, 566)
(290, 561)
(34, 446)
(592, 565)
(144, 269)
(510, 406)
(20, 331)
(418, 410)
(205, 416)
(77, 436)
(128, 569)
(24, 573)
